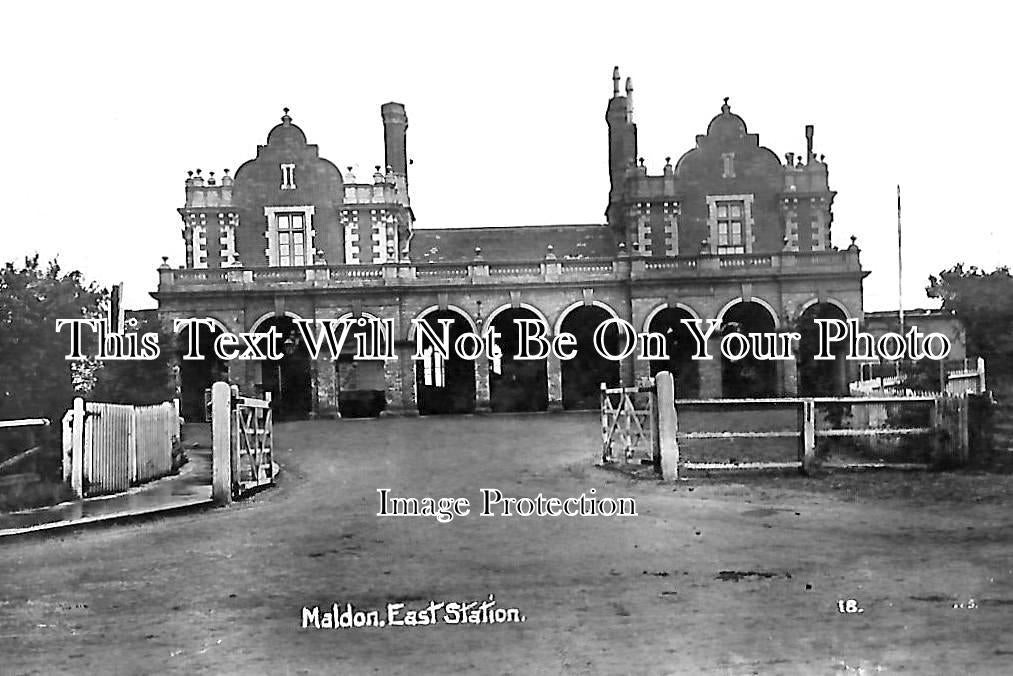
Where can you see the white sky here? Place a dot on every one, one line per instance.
(106, 106)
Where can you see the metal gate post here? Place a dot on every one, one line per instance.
(221, 443)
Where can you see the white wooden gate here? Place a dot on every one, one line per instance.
(242, 443)
(253, 443)
(629, 424)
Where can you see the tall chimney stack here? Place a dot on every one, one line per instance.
(808, 143)
(395, 126)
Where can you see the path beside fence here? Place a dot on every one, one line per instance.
(191, 488)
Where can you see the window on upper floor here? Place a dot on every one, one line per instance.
(289, 235)
(291, 239)
(288, 177)
(730, 220)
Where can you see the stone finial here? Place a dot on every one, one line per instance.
(478, 252)
(725, 108)
(190, 173)
(550, 254)
(165, 263)
(854, 244)
(286, 119)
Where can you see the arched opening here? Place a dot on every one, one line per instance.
(681, 347)
(196, 376)
(820, 377)
(749, 376)
(583, 375)
(361, 386)
(521, 385)
(445, 385)
(288, 379)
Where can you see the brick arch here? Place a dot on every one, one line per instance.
(268, 315)
(436, 308)
(752, 299)
(363, 313)
(829, 301)
(664, 306)
(507, 306)
(573, 306)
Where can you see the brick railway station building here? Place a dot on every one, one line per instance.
(728, 231)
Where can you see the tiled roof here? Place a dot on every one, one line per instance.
(522, 243)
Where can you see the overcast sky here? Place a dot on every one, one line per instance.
(106, 106)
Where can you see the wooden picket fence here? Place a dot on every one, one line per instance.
(109, 447)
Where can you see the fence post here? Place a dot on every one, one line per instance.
(132, 446)
(602, 455)
(963, 442)
(807, 435)
(668, 425)
(77, 448)
(221, 443)
(655, 435)
(234, 439)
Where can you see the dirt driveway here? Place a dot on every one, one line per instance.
(714, 577)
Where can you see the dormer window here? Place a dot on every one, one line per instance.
(288, 177)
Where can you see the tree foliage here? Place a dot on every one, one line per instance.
(35, 379)
(138, 382)
(983, 301)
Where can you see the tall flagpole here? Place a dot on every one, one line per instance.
(900, 283)
(900, 269)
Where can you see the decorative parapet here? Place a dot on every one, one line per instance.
(482, 272)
